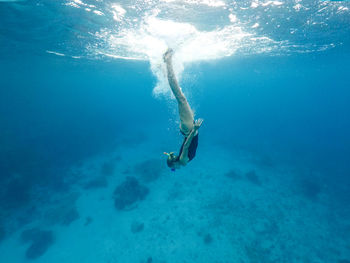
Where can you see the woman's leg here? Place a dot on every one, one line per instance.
(186, 115)
(185, 112)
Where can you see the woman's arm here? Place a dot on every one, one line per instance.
(183, 159)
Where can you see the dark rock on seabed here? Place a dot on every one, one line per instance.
(70, 216)
(88, 221)
(128, 193)
(63, 210)
(208, 239)
(136, 227)
(253, 178)
(310, 188)
(149, 170)
(40, 242)
(232, 174)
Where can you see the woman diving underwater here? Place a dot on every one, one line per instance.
(188, 127)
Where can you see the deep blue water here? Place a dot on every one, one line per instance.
(56, 112)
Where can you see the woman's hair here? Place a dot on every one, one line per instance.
(171, 160)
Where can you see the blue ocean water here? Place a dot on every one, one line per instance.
(86, 114)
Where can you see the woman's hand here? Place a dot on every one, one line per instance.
(197, 124)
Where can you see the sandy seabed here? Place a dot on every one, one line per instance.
(223, 207)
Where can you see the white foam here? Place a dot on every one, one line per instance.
(256, 3)
(118, 12)
(272, 3)
(211, 3)
(97, 12)
(343, 8)
(55, 53)
(72, 4)
(155, 35)
(144, 29)
(232, 18)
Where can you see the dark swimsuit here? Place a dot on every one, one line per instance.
(191, 149)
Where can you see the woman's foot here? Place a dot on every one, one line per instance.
(168, 55)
